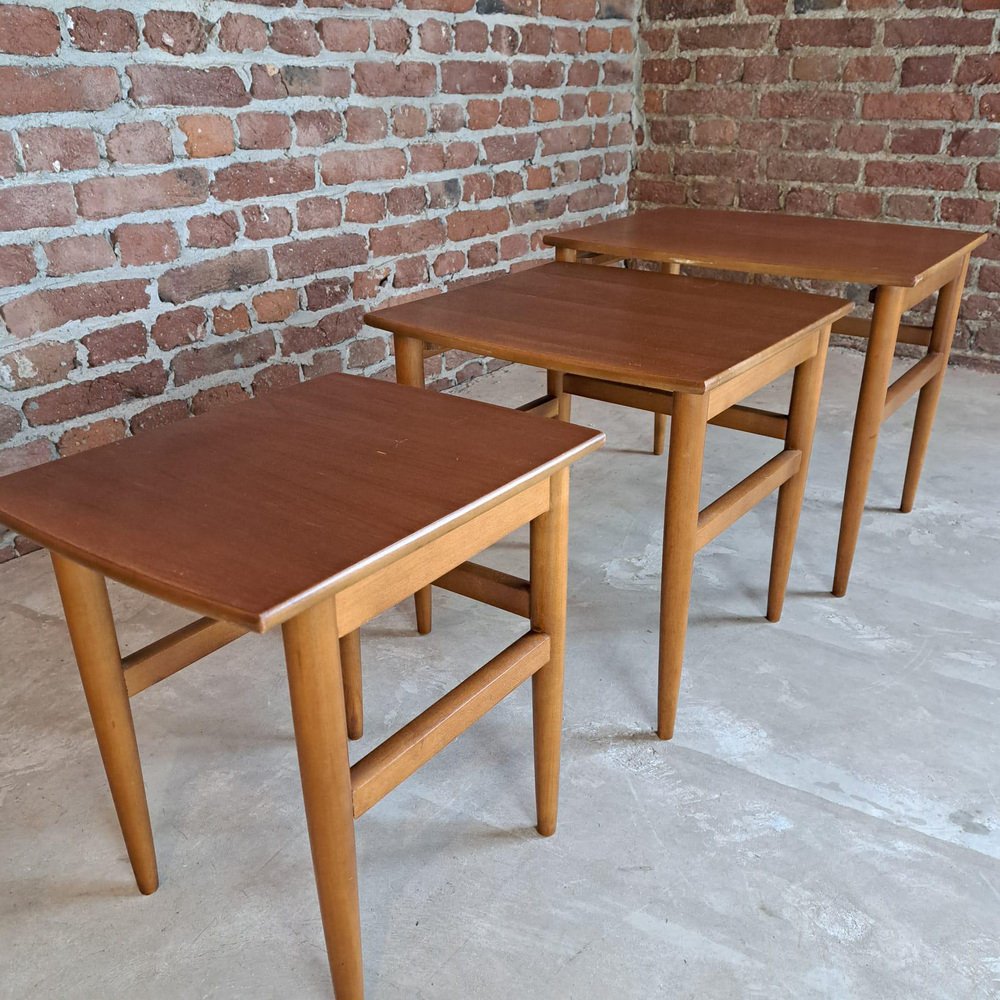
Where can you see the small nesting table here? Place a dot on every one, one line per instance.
(689, 347)
(313, 509)
(904, 264)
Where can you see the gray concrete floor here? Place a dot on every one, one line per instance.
(824, 824)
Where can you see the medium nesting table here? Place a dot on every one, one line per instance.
(313, 509)
(904, 264)
(689, 347)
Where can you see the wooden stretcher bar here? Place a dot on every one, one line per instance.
(489, 586)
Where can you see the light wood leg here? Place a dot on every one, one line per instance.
(945, 317)
(92, 631)
(554, 387)
(315, 685)
(660, 419)
(806, 389)
(350, 665)
(549, 539)
(688, 425)
(410, 371)
(867, 422)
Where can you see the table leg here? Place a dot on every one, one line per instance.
(554, 387)
(312, 659)
(945, 317)
(867, 422)
(660, 419)
(410, 371)
(549, 540)
(92, 631)
(350, 665)
(806, 389)
(688, 425)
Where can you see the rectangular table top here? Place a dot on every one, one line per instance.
(249, 512)
(797, 246)
(674, 333)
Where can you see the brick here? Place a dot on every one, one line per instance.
(206, 135)
(57, 149)
(435, 36)
(921, 71)
(181, 86)
(75, 254)
(968, 212)
(365, 125)
(231, 272)
(407, 79)
(217, 395)
(408, 272)
(106, 197)
(28, 31)
(10, 423)
(471, 36)
(146, 243)
(318, 213)
(225, 321)
(826, 33)
(39, 364)
(102, 432)
(179, 327)
(915, 32)
(989, 107)
(565, 140)
(178, 32)
(365, 353)
(916, 174)
(974, 142)
(340, 34)
(393, 241)
(275, 377)
(159, 415)
(140, 143)
(446, 6)
(391, 35)
(821, 169)
(507, 148)
(479, 77)
(27, 90)
(476, 223)
(294, 37)
(665, 10)
(197, 362)
(409, 121)
(264, 130)
(724, 36)
(316, 128)
(919, 106)
(28, 206)
(52, 308)
(102, 393)
(988, 177)
(363, 206)
(922, 141)
(116, 343)
(342, 167)
(242, 33)
(273, 307)
(809, 104)
(326, 293)
(212, 231)
(979, 70)
(299, 81)
(8, 156)
(102, 30)
(266, 223)
(307, 257)
(870, 69)
(861, 138)
(17, 266)
(264, 179)
(716, 69)
(332, 329)
(24, 457)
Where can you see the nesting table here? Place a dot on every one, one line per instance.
(904, 264)
(314, 509)
(689, 347)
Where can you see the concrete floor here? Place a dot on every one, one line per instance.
(824, 824)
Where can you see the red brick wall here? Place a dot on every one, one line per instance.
(864, 109)
(193, 211)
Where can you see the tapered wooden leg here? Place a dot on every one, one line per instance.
(554, 387)
(95, 643)
(549, 538)
(806, 389)
(867, 422)
(350, 665)
(688, 425)
(312, 659)
(410, 371)
(945, 317)
(660, 419)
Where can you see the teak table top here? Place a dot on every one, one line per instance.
(872, 253)
(252, 512)
(681, 334)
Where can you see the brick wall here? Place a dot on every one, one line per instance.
(198, 203)
(862, 109)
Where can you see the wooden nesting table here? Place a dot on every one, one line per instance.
(689, 347)
(904, 264)
(314, 509)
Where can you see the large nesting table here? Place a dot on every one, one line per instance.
(904, 264)
(689, 347)
(311, 509)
